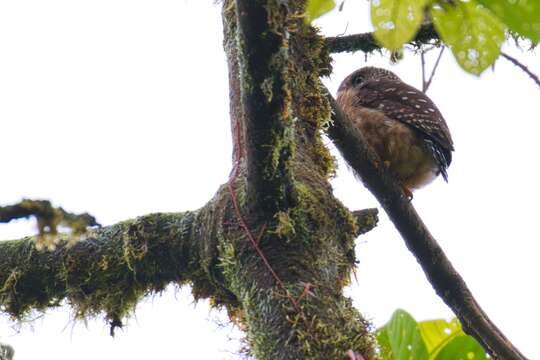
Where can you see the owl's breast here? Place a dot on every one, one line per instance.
(401, 148)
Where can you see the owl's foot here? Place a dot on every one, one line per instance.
(407, 192)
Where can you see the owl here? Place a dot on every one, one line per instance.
(400, 123)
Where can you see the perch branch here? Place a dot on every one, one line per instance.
(441, 274)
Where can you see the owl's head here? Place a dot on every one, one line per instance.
(365, 74)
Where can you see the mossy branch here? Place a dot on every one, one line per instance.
(268, 122)
(107, 272)
(48, 219)
(366, 42)
(366, 219)
(446, 281)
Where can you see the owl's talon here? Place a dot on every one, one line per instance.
(408, 193)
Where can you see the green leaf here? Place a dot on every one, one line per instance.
(462, 347)
(317, 8)
(400, 338)
(438, 333)
(521, 16)
(384, 344)
(473, 33)
(396, 21)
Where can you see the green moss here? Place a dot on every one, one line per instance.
(342, 329)
(310, 244)
(107, 274)
(311, 61)
(285, 225)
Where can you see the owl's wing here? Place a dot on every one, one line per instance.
(412, 107)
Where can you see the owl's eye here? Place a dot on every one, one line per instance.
(357, 80)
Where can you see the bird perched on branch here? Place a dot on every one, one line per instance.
(400, 123)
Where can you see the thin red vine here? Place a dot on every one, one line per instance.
(254, 241)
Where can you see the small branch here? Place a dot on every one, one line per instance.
(107, 272)
(366, 43)
(48, 218)
(350, 43)
(423, 63)
(441, 274)
(522, 67)
(366, 220)
(426, 84)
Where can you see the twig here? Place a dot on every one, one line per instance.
(305, 292)
(441, 274)
(425, 84)
(435, 68)
(522, 67)
(423, 62)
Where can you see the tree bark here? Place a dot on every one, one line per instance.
(112, 268)
(288, 266)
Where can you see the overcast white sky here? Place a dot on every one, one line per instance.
(119, 108)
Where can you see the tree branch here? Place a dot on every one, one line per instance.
(427, 83)
(366, 219)
(110, 270)
(48, 217)
(516, 62)
(266, 101)
(441, 274)
(366, 43)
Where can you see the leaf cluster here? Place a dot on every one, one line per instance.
(473, 29)
(403, 338)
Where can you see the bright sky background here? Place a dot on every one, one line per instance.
(120, 108)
